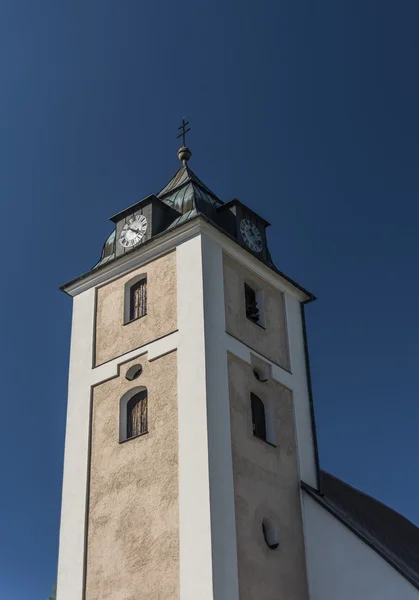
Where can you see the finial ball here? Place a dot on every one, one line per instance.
(184, 154)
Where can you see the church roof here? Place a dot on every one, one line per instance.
(185, 192)
(390, 534)
(189, 198)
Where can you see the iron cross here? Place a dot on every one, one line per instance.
(184, 131)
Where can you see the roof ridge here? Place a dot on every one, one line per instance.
(201, 184)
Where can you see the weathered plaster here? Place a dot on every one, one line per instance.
(133, 532)
(270, 341)
(266, 484)
(113, 338)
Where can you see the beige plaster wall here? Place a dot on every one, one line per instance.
(266, 484)
(133, 525)
(271, 341)
(113, 338)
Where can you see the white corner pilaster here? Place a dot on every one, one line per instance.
(208, 547)
(223, 522)
(194, 494)
(303, 419)
(73, 508)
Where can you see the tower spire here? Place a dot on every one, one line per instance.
(184, 154)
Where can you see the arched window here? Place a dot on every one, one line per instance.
(254, 304)
(258, 417)
(137, 414)
(135, 303)
(252, 309)
(133, 414)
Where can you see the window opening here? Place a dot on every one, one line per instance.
(260, 375)
(137, 414)
(138, 299)
(258, 417)
(252, 310)
(270, 534)
(134, 372)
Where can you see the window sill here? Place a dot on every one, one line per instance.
(263, 440)
(256, 323)
(132, 321)
(134, 437)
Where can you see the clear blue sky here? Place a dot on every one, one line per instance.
(307, 112)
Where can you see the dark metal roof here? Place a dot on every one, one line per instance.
(184, 176)
(190, 198)
(390, 534)
(130, 210)
(185, 193)
(231, 203)
(108, 250)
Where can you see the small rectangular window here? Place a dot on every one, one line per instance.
(252, 310)
(138, 299)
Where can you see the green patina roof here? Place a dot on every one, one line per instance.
(185, 192)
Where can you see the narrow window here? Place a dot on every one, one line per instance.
(138, 299)
(137, 414)
(252, 310)
(258, 417)
(270, 534)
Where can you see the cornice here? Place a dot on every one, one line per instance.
(147, 252)
(270, 275)
(168, 241)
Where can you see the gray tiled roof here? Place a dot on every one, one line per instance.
(393, 536)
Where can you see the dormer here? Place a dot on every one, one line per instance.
(140, 222)
(246, 226)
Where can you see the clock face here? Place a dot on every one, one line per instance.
(133, 231)
(251, 235)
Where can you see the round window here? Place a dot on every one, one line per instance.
(260, 375)
(134, 372)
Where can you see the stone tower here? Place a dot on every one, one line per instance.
(189, 423)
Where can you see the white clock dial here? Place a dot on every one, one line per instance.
(133, 231)
(251, 235)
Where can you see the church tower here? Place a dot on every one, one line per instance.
(189, 422)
